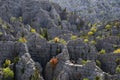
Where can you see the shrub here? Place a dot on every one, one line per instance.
(33, 30)
(84, 62)
(8, 73)
(1, 33)
(93, 29)
(44, 33)
(117, 24)
(16, 59)
(102, 51)
(118, 69)
(97, 78)
(86, 40)
(62, 41)
(116, 51)
(56, 39)
(85, 79)
(20, 19)
(98, 37)
(73, 37)
(7, 63)
(22, 39)
(117, 61)
(108, 26)
(90, 33)
(93, 42)
(13, 19)
(98, 63)
(1, 21)
(54, 62)
(115, 46)
(35, 76)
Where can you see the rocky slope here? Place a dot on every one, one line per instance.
(93, 10)
(41, 41)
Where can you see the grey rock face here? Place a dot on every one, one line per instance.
(26, 68)
(40, 50)
(10, 49)
(78, 49)
(108, 43)
(68, 71)
(93, 10)
(109, 62)
(38, 21)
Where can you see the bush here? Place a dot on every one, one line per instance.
(86, 40)
(44, 33)
(13, 19)
(116, 51)
(117, 61)
(102, 51)
(7, 63)
(8, 74)
(85, 79)
(98, 37)
(93, 42)
(97, 78)
(90, 33)
(115, 46)
(108, 26)
(1, 21)
(56, 39)
(1, 33)
(93, 29)
(20, 19)
(98, 63)
(22, 39)
(35, 76)
(84, 62)
(54, 62)
(16, 59)
(118, 69)
(73, 37)
(62, 41)
(33, 30)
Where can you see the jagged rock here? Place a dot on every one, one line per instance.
(52, 73)
(40, 50)
(66, 37)
(55, 16)
(112, 77)
(68, 26)
(38, 22)
(9, 9)
(68, 71)
(26, 69)
(78, 49)
(92, 10)
(10, 49)
(54, 31)
(64, 56)
(108, 43)
(108, 62)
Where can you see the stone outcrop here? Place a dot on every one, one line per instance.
(93, 10)
(26, 69)
(39, 40)
(78, 49)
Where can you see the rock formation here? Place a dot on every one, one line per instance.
(40, 40)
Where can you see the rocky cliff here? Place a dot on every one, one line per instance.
(40, 40)
(93, 10)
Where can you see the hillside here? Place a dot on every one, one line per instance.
(42, 40)
(93, 10)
